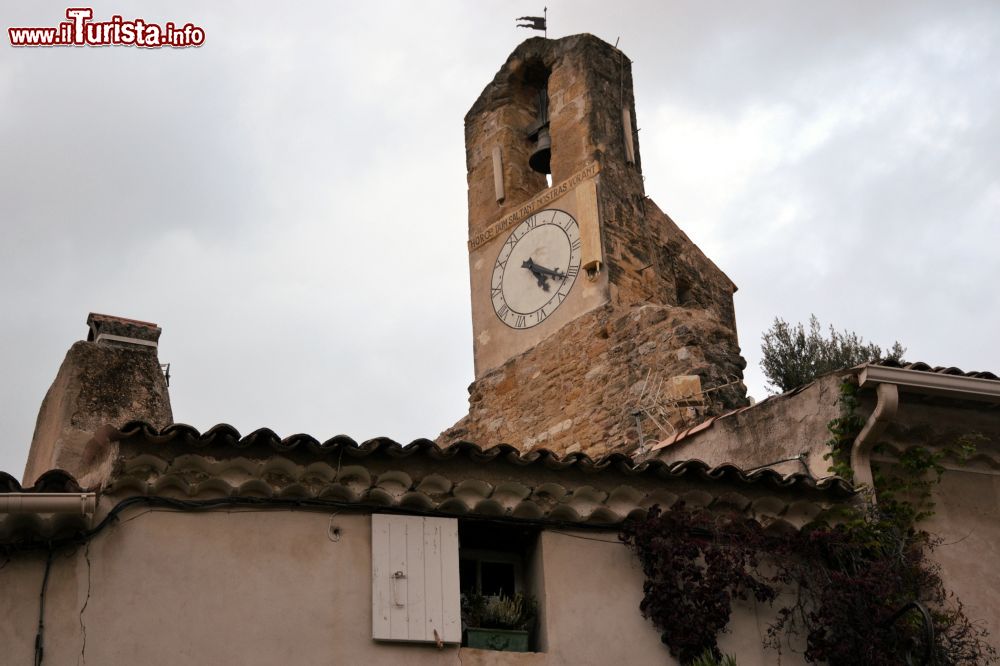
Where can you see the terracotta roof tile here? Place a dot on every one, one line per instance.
(462, 479)
(940, 369)
(224, 437)
(52, 481)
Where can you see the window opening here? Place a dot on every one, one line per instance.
(494, 566)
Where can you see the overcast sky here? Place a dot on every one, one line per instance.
(288, 201)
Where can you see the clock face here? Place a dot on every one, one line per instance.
(536, 268)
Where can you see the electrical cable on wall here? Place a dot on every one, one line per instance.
(39, 637)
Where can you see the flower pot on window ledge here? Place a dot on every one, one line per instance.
(506, 640)
(498, 622)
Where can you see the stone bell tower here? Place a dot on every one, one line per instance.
(598, 325)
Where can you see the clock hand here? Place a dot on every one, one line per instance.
(542, 280)
(539, 271)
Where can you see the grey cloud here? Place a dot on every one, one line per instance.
(288, 201)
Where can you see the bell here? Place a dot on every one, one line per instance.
(540, 156)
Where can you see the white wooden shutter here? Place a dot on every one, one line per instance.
(415, 589)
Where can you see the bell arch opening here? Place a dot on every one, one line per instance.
(535, 90)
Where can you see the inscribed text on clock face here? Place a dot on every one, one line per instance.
(536, 268)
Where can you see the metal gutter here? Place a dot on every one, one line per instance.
(931, 383)
(80, 503)
(888, 383)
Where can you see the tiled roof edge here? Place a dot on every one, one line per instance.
(52, 481)
(939, 369)
(224, 436)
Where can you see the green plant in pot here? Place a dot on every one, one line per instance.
(499, 622)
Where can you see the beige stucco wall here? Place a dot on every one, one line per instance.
(271, 587)
(967, 521)
(781, 427)
(593, 586)
(966, 512)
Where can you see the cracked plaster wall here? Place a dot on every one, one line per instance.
(271, 587)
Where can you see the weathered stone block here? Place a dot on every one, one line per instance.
(684, 388)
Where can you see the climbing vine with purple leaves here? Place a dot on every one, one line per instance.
(860, 589)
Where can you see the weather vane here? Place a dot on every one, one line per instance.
(536, 22)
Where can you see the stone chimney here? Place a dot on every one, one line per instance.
(112, 378)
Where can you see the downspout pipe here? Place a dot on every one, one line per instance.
(861, 450)
(78, 503)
